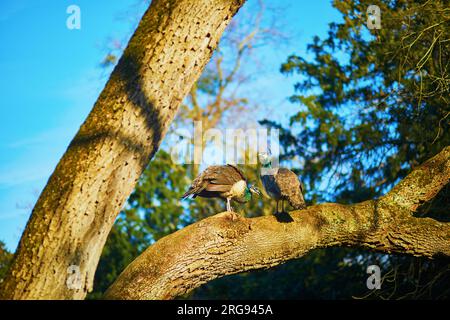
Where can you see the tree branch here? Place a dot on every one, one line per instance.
(423, 183)
(218, 246)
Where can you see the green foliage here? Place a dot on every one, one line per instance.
(5, 260)
(373, 104)
(157, 196)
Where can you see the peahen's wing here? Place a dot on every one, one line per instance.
(227, 175)
(287, 182)
(201, 182)
(215, 179)
(290, 187)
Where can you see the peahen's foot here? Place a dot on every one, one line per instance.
(229, 215)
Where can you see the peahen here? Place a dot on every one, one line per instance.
(226, 182)
(281, 184)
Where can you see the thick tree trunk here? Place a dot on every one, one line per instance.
(75, 212)
(219, 246)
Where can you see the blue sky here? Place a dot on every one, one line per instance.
(51, 77)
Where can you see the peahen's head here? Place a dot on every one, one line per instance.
(265, 159)
(254, 190)
(251, 189)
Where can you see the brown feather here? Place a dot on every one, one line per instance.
(217, 188)
(214, 181)
(226, 175)
(290, 188)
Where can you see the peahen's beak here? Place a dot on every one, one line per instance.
(255, 190)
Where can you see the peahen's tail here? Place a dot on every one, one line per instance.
(298, 203)
(191, 192)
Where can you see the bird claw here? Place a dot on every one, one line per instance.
(230, 215)
(234, 216)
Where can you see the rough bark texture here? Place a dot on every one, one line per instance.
(79, 204)
(219, 246)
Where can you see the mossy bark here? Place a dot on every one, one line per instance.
(75, 212)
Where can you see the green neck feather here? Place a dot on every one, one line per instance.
(248, 194)
(267, 165)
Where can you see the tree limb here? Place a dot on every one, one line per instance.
(218, 246)
(423, 183)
